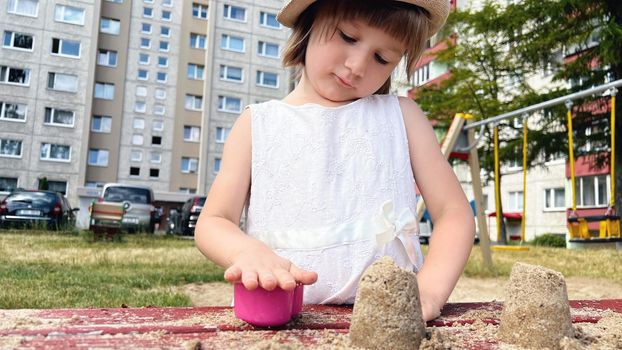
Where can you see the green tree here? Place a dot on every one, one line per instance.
(498, 50)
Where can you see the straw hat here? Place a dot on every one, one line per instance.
(438, 9)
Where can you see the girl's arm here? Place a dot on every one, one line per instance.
(454, 226)
(218, 235)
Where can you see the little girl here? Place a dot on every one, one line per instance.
(327, 174)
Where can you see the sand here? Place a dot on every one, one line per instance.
(535, 313)
(387, 310)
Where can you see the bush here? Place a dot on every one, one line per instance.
(550, 240)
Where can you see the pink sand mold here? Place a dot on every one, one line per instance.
(263, 308)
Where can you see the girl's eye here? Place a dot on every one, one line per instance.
(380, 60)
(346, 38)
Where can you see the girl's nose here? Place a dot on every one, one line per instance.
(357, 64)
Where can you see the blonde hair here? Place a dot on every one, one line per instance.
(409, 22)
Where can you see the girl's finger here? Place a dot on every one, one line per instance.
(285, 279)
(303, 276)
(267, 280)
(250, 280)
(233, 274)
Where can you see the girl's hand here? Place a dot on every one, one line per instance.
(266, 269)
(430, 307)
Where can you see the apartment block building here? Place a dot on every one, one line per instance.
(131, 91)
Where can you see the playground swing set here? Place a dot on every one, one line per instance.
(461, 142)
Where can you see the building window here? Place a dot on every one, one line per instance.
(168, 3)
(137, 139)
(164, 46)
(104, 91)
(101, 123)
(116, 1)
(140, 107)
(59, 117)
(267, 79)
(216, 165)
(98, 157)
(110, 26)
(145, 28)
(54, 152)
(148, 12)
(141, 91)
(229, 104)
(157, 125)
(165, 31)
(196, 71)
(142, 74)
(62, 82)
(23, 7)
(592, 191)
(160, 94)
(230, 73)
(155, 157)
(199, 11)
(167, 15)
(18, 41)
(14, 76)
(139, 123)
(232, 43)
(107, 58)
(235, 13)
(58, 186)
(143, 58)
(154, 172)
(159, 109)
(8, 184)
(69, 14)
(222, 134)
(267, 19)
(162, 61)
(192, 133)
(64, 47)
(10, 148)
(161, 77)
(555, 198)
(145, 43)
(189, 165)
(515, 201)
(13, 111)
(156, 140)
(197, 41)
(194, 102)
(134, 171)
(268, 49)
(136, 156)
(187, 190)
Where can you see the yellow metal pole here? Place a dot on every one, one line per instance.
(571, 155)
(612, 162)
(497, 185)
(524, 179)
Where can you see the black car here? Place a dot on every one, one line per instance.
(37, 209)
(190, 214)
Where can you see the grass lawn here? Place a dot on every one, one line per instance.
(39, 269)
(56, 270)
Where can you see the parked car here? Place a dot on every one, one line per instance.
(140, 212)
(190, 214)
(36, 207)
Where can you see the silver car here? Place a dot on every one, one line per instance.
(138, 202)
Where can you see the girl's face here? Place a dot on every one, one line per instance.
(353, 62)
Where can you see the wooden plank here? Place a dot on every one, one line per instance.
(217, 327)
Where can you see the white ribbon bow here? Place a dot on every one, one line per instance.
(403, 227)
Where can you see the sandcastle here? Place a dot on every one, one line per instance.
(387, 310)
(536, 313)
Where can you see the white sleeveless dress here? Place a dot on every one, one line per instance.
(332, 190)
